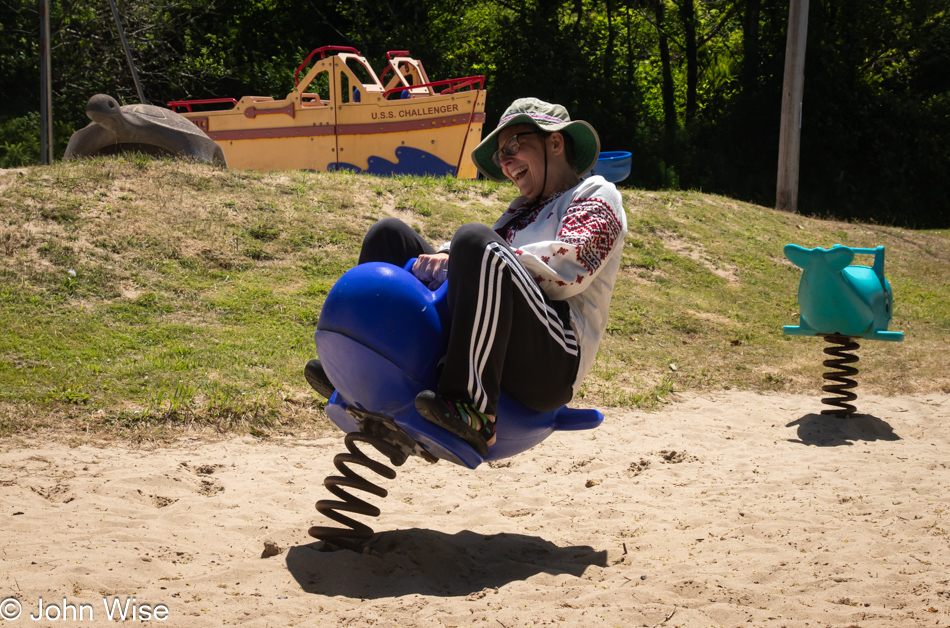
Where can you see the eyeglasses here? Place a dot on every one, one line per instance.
(510, 148)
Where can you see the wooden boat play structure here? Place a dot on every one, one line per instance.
(341, 116)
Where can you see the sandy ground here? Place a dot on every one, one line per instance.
(734, 509)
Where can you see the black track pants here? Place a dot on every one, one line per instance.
(505, 332)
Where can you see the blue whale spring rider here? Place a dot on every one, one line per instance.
(380, 337)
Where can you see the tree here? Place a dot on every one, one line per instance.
(688, 18)
(669, 102)
(750, 43)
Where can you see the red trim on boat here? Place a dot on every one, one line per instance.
(401, 127)
(453, 85)
(323, 55)
(281, 132)
(186, 104)
(349, 129)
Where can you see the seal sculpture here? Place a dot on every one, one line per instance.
(144, 128)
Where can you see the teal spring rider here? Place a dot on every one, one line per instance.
(842, 302)
(380, 338)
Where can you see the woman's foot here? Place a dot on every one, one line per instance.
(317, 378)
(459, 417)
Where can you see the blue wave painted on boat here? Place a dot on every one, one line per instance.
(408, 161)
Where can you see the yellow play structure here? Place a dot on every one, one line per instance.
(341, 116)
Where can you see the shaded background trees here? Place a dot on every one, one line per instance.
(691, 87)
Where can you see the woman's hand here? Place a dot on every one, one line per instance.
(432, 270)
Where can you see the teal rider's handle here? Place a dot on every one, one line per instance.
(878, 254)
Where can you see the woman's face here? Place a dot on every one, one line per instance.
(526, 167)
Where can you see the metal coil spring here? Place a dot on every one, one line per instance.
(350, 479)
(841, 374)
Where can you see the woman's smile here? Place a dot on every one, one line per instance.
(518, 172)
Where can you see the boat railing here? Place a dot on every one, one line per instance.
(395, 57)
(322, 51)
(454, 85)
(187, 104)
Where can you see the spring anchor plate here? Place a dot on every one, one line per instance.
(841, 375)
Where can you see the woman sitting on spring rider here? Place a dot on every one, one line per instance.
(527, 298)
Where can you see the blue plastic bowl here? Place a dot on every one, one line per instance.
(614, 165)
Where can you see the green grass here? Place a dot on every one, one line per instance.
(143, 299)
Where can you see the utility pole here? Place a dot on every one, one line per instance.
(786, 189)
(46, 89)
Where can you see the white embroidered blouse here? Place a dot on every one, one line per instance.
(572, 242)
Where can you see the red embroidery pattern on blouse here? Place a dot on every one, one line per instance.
(527, 214)
(592, 226)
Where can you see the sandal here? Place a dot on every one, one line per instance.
(459, 417)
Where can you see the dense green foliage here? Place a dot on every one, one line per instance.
(693, 89)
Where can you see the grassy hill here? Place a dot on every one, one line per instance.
(142, 298)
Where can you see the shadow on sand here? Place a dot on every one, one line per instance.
(427, 562)
(823, 430)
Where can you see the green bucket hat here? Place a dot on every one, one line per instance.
(546, 117)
